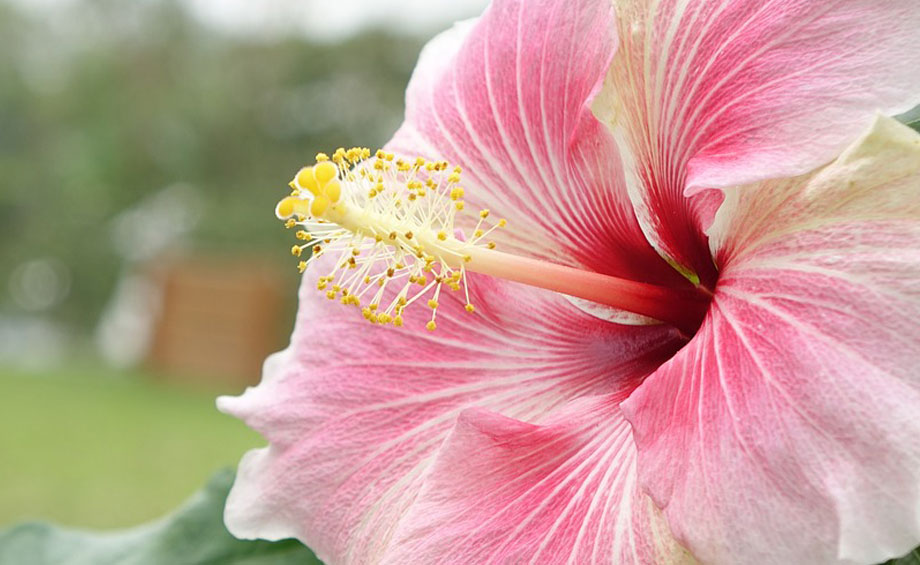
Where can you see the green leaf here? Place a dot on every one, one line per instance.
(912, 119)
(194, 535)
(912, 558)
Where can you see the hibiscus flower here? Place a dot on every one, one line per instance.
(725, 365)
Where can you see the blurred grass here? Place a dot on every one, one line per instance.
(95, 448)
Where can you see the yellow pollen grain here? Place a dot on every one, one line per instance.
(373, 217)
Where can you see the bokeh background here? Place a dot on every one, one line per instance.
(143, 145)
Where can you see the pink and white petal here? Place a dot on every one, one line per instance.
(507, 98)
(354, 413)
(711, 94)
(786, 431)
(565, 491)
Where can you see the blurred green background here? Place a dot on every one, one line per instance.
(143, 145)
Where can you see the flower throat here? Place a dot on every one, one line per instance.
(390, 223)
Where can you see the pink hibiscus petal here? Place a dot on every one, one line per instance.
(711, 94)
(506, 491)
(786, 431)
(507, 98)
(354, 413)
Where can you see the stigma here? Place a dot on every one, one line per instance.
(390, 224)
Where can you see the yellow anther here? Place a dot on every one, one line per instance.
(320, 157)
(325, 171)
(502, 223)
(296, 251)
(470, 308)
(306, 180)
(431, 326)
(491, 245)
(332, 191)
(302, 266)
(319, 206)
(378, 224)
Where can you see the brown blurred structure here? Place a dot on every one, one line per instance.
(218, 319)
